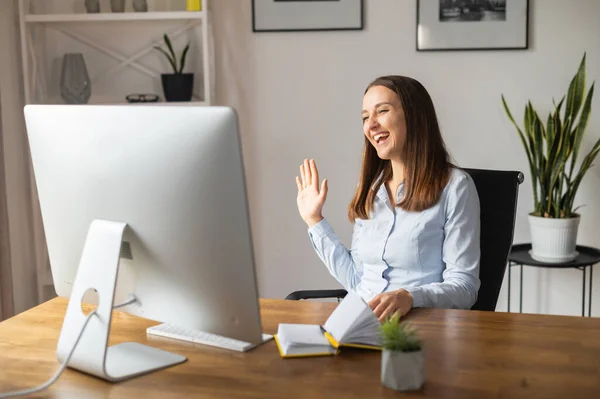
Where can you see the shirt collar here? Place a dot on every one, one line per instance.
(382, 191)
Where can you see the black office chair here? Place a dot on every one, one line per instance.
(498, 192)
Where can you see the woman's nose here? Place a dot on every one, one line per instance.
(373, 123)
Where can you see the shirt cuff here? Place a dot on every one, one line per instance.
(320, 230)
(417, 294)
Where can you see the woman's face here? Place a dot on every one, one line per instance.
(384, 124)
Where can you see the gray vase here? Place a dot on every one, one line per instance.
(92, 6)
(117, 5)
(402, 371)
(75, 84)
(140, 5)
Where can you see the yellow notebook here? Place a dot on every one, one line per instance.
(302, 340)
(351, 324)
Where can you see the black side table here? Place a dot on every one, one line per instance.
(587, 258)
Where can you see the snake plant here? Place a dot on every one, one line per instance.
(553, 148)
(172, 57)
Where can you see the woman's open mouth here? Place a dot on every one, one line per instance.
(380, 137)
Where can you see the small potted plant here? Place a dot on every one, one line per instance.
(177, 86)
(552, 146)
(402, 358)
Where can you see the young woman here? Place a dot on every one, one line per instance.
(416, 216)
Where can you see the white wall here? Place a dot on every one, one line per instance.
(21, 218)
(299, 95)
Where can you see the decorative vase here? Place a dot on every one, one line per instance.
(92, 6)
(553, 240)
(402, 371)
(75, 85)
(177, 86)
(117, 5)
(140, 5)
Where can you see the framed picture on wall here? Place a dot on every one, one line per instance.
(306, 15)
(472, 25)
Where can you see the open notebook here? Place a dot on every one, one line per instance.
(351, 324)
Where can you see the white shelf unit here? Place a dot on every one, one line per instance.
(125, 16)
(37, 60)
(41, 80)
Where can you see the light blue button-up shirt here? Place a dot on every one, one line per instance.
(433, 254)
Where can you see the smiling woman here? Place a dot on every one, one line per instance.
(416, 215)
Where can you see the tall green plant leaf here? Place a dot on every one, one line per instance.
(585, 165)
(537, 133)
(170, 47)
(581, 126)
(528, 152)
(575, 93)
(550, 132)
(182, 62)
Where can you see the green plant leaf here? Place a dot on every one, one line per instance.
(168, 57)
(182, 61)
(550, 132)
(528, 152)
(399, 336)
(552, 172)
(170, 47)
(587, 162)
(537, 132)
(579, 131)
(575, 93)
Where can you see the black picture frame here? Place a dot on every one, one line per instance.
(356, 25)
(516, 22)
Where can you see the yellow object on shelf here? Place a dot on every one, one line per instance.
(194, 5)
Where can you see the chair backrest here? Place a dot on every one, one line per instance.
(498, 192)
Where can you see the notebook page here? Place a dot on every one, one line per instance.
(366, 330)
(292, 335)
(345, 316)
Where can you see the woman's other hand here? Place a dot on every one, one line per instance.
(386, 304)
(311, 197)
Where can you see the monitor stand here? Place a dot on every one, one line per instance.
(98, 269)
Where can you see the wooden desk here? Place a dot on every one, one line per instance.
(468, 355)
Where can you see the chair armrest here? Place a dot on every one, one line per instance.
(317, 294)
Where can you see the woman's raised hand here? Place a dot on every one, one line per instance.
(311, 197)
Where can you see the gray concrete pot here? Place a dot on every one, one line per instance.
(402, 371)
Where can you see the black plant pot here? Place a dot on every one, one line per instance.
(177, 86)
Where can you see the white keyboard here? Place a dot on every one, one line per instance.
(201, 337)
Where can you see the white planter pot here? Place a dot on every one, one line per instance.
(402, 371)
(553, 240)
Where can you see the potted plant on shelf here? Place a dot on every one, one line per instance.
(177, 86)
(402, 358)
(553, 149)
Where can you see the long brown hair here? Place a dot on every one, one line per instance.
(427, 162)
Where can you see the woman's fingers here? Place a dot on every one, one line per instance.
(398, 313)
(324, 189)
(302, 176)
(380, 308)
(314, 174)
(307, 170)
(299, 183)
(387, 312)
(375, 301)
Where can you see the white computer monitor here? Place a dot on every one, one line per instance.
(175, 176)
